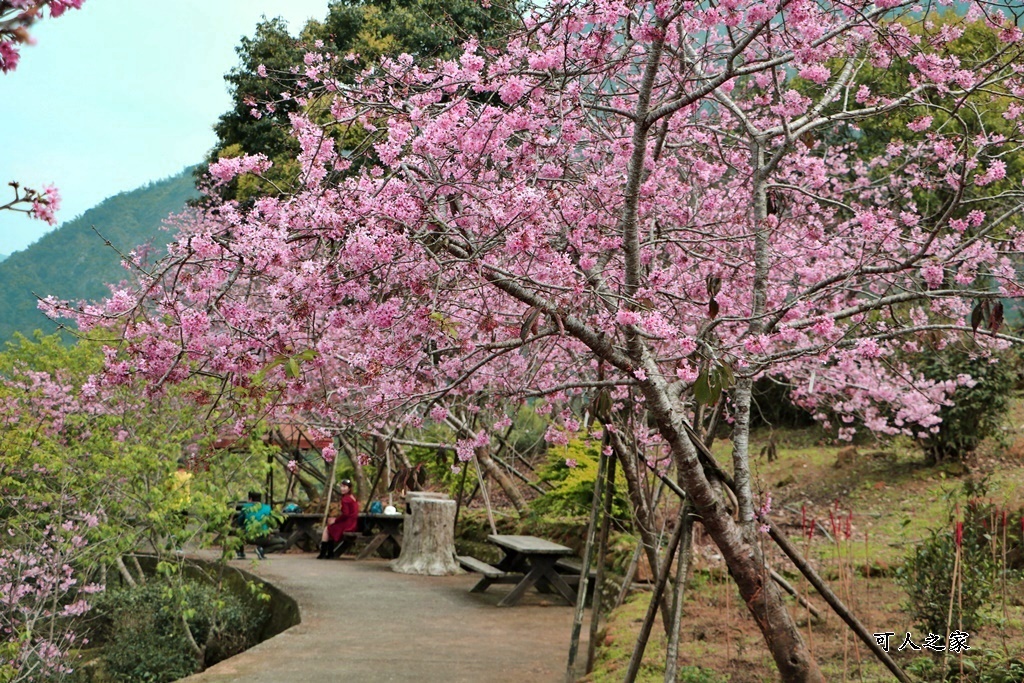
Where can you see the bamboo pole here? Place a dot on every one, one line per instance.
(682, 569)
(483, 490)
(652, 609)
(329, 492)
(462, 490)
(581, 589)
(602, 552)
(627, 580)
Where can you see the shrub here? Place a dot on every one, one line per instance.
(572, 470)
(143, 629)
(977, 412)
(928, 573)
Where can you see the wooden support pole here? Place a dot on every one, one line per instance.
(581, 589)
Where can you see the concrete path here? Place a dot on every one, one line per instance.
(363, 622)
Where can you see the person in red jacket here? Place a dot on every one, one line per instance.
(346, 521)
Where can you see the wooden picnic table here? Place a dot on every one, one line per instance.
(386, 529)
(528, 562)
(300, 528)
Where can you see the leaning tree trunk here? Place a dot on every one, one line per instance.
(737, 543)
(491, 469)
(428, 541)
(643, 514)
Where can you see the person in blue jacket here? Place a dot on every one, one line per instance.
(256, 519)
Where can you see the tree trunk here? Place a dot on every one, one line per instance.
(491, 469)
(742, 555)
(642, 513)
(486, 463)
(428, 541)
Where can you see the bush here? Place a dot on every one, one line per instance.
(927, 575)
(143, 632)
(977, 412)
(572, 470)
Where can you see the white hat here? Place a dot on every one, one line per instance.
(390, 510)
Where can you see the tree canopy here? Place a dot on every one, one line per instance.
(361, 33)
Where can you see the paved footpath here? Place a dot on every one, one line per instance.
(363, 622)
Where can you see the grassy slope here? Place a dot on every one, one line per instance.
(894, 500)
(73, 262)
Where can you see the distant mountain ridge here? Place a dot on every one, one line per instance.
(72, 262)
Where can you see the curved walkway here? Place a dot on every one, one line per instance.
(363, 622)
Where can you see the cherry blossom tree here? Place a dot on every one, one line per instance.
(637, 207)
(90, 474)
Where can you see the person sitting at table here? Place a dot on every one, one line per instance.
(347, 520)
(255, 519)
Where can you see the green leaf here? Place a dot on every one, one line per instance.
(703, 390)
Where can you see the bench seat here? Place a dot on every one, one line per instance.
(574, 565)
(480, 567)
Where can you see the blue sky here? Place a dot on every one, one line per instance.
(120, 93)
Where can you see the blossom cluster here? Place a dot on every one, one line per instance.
(15, 18)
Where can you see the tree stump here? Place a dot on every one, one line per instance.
(428, 541)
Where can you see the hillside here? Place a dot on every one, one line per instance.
(72, 262)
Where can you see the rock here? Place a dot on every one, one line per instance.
(845, 457)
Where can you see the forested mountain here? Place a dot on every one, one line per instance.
(72, 262)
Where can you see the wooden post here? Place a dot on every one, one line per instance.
(602, 552)
(588, 547)
(428, 540)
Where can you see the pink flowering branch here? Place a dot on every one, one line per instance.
(41, 205)
(16, 16)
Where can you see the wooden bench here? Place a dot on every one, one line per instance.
(489, 573)
(349, 540)
(574, 565)
(570, 568)
(480, 567)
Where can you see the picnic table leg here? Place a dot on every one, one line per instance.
(481, 585)
(555, 580)
(543, 569)
(371, 546)
(312, 537)
(396, 541)
(292, 539)
(513, 562)
(527, 583)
